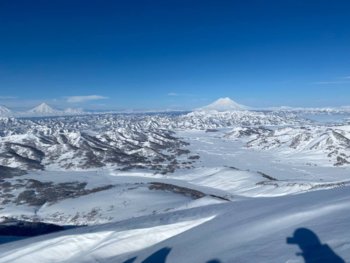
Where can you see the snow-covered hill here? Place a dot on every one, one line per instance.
(243, 231)
(201, 120)
(49, 147)
(317, 145)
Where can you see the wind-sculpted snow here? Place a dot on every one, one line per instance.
(248, 230)
(327, 145)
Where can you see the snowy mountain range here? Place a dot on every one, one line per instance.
(342, 109)
(142, 140)
(315, 145)
(221, 105)
(68, 147)
(211, 185)
(41, 110)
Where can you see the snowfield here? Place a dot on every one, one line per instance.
(242, 231)
(206, 186)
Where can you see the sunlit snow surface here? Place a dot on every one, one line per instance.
(241, 231)
(237, 203)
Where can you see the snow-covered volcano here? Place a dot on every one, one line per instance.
(223, 104)
(43, 109)
(5, 111)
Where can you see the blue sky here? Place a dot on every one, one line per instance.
(177, 54)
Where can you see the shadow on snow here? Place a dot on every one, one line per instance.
(313, 251)
(160, 256)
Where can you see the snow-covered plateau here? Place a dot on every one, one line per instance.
(219, 184)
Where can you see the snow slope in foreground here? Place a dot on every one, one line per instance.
(250, 230)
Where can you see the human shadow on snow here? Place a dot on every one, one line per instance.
(157, 257)
(160, 256)
(312, 249)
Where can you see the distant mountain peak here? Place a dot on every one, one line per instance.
(5, 111)
(43, 108)
(73, 111)
(223, 104)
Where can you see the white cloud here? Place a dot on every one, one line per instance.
(79, 99)
(339, 80)
(332, 82)
(176, 94)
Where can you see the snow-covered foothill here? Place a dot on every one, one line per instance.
(241, 231)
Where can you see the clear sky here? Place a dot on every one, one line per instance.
(177, 54)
